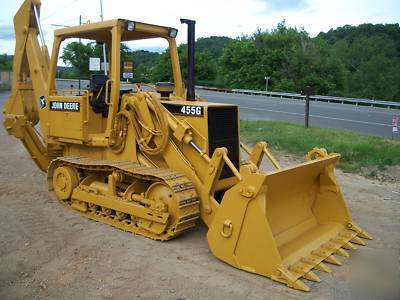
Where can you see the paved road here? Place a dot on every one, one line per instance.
(368, 120)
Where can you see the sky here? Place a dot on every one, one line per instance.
(213, 17)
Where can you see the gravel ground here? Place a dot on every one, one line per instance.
(48, 251)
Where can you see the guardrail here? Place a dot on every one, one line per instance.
(329, 99)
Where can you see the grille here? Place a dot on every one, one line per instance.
(223, 132)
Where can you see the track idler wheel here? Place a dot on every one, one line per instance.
(65, 180)
(163, 200)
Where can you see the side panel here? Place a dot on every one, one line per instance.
(66, 123)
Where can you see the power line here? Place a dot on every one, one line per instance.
(59, 25)
(64, 21)
(59, 10)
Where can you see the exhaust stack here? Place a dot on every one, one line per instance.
(190, 95)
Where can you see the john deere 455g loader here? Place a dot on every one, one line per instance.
(153, 161)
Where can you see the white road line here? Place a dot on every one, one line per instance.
(316, 116)
(299, 102)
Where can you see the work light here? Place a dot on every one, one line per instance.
(130, 26)
(172, 32)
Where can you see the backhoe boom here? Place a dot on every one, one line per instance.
(30, 84)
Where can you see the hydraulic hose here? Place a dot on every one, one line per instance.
(160, 130)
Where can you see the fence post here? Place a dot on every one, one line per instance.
(307, 91)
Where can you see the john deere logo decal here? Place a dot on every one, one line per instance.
(64, 106)
(42, 102)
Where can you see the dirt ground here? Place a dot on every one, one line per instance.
(48, 251)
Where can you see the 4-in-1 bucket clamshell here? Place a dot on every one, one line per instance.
(285, 223)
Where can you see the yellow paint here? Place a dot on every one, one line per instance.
(149, 171)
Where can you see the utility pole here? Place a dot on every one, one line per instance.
(267, 79)
(104, 44)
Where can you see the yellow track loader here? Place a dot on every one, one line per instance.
(153, 159)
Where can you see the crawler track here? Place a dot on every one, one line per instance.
(182, 216)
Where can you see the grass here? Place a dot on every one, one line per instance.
(4, 87)
(357, 150)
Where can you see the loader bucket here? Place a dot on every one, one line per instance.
(285, 223)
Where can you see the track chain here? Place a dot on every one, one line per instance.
(185, 194)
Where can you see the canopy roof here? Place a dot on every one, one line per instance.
(101, 31)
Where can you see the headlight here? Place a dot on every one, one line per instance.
(130, 26)
(172, 32)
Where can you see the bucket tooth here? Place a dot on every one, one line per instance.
(323, 268)
(300, 285)
(365, 235)
(312, 276)
(333, 260)
(358, 241)
(287, 277)
(360, 232)
(349, 246)
(342, 252)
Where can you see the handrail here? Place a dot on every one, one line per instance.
(106, 100)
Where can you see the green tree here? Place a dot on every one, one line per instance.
(208, 53)
(371, 56)
(77, 55)
(162, 70)
(359, 61)
(288, 55)
(6, 62)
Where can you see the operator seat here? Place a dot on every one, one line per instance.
(97, 85)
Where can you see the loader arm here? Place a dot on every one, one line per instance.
(282, 224)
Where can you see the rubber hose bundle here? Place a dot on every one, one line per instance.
(161, 126)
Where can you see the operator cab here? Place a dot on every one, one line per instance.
(97, 105)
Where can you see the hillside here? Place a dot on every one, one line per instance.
(359, 61)
(371, 56)
(354, 61)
